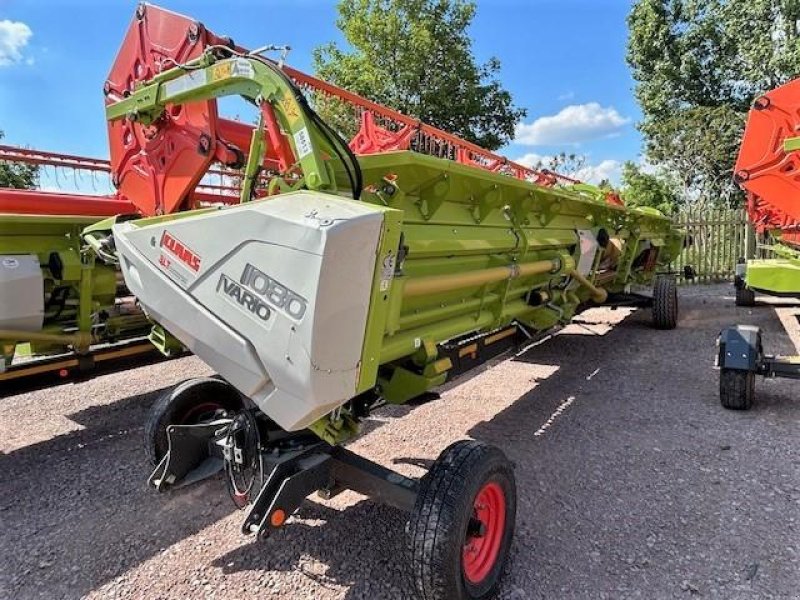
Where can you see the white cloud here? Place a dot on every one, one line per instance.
(567, 96)
(531, 159)
(608, 169)
(14, 36)
(572, 125)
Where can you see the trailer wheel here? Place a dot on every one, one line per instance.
(460, 531)
(192, 401)
(745, 297)
(736, 389)
(665, 302)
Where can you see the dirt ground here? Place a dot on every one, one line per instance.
(633, 481)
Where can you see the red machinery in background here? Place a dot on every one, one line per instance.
(191, 156)
(768, 169)
(768, 166)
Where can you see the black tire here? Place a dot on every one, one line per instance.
(665, 302)
(736, 389)
(191, 401)
(444, 528)
(745, 297)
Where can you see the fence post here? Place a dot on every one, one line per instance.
(749, 241)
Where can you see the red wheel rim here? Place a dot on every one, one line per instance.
(485, 533)
(199, 412)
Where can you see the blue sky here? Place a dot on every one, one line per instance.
(563, 60)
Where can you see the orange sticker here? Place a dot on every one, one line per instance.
(221, 71)
(290, 109)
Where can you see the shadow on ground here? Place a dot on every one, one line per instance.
(73, 494)
(643, 486)
(91, 485)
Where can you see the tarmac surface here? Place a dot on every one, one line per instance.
(633, 481)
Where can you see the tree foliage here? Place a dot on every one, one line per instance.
(416, 57)
(20, 176)
(698, 65)
(563, 163)
(640, 188)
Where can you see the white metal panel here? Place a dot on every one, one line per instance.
(21, 293)
(273, 295)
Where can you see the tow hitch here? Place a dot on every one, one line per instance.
(274, 479)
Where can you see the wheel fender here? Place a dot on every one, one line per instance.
(739, 347)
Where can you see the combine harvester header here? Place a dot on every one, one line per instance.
(191, 158)
(340, 278)
(768, 170)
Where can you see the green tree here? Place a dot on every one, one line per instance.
(17, 175)
(640, 188)
(416, 56)
(698, 65)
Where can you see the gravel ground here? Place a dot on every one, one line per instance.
(633, 481)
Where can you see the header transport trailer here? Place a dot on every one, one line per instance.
(339, 283)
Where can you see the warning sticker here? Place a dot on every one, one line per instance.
(243, 68)
(290, 109)
(387, 272)
(302, 142)
(221, 71)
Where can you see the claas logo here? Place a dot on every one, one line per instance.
(180, 251)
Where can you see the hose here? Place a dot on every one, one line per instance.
(334, 140)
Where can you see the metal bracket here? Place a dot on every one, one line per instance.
(739, 347)
(196, 452)
(284, 466)
(296, 474)
(192, 455)
(780, 366)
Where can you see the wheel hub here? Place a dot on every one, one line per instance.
(200, 412)
(484, 533)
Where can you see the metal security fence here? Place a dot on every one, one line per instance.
(718, 238)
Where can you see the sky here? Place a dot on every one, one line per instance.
(562, 60)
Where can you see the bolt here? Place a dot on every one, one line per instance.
(193, 33)
(761, 103)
